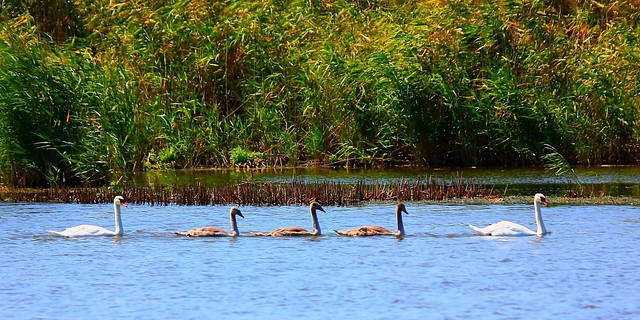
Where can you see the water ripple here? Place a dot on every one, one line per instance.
(440, 269)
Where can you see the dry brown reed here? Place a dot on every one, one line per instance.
(262, 193)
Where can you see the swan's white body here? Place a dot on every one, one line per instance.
(504, 228)
(507, 228)
(86, 230)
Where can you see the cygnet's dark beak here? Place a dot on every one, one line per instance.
(239, 213)
(405, 210)
(320, 208)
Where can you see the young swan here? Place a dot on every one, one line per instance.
(86, 230)
(297, 231)
(507, 228)
(367, 231)
(215, 231)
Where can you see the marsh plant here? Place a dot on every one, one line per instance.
(93, 89)
(558, 164)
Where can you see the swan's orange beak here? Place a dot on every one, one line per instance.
(543, 201)
(122, 203)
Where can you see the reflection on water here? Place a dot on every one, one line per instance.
(609, 180)
(586, 269)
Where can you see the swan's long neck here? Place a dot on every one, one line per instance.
(314, 223)
(233, 225)
(118, 221)
(539, 224)
(399, 222)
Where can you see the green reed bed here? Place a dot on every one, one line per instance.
(91, 90)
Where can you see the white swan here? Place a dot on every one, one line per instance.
(506, 228)
(86, 230)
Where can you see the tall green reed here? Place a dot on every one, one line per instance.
(437, 83)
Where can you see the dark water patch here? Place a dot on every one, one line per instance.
(501, 176)
(592, 181)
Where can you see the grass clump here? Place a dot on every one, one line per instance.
(240, 156)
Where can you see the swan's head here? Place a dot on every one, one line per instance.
(316, 206)
(401, 208)
(540, 198)
(235, 212)
(119, 201)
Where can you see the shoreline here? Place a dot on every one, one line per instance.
(553, 201)
(257, 194)
(381, 167)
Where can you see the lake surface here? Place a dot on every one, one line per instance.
(587, 268)
(612, 180)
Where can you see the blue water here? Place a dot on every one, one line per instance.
(587, 268)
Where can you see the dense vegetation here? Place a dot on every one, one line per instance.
(93, 88)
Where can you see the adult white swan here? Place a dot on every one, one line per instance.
(506, 228)
(86, 230)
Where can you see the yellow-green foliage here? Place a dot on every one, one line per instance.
(455, 82)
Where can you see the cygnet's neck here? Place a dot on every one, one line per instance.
(399, 222)
(314, 223)
(233, 225)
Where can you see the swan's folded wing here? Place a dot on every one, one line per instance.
(84, 230)
(504, 228)
(291, 231)
(365, 231)
(203, 232)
